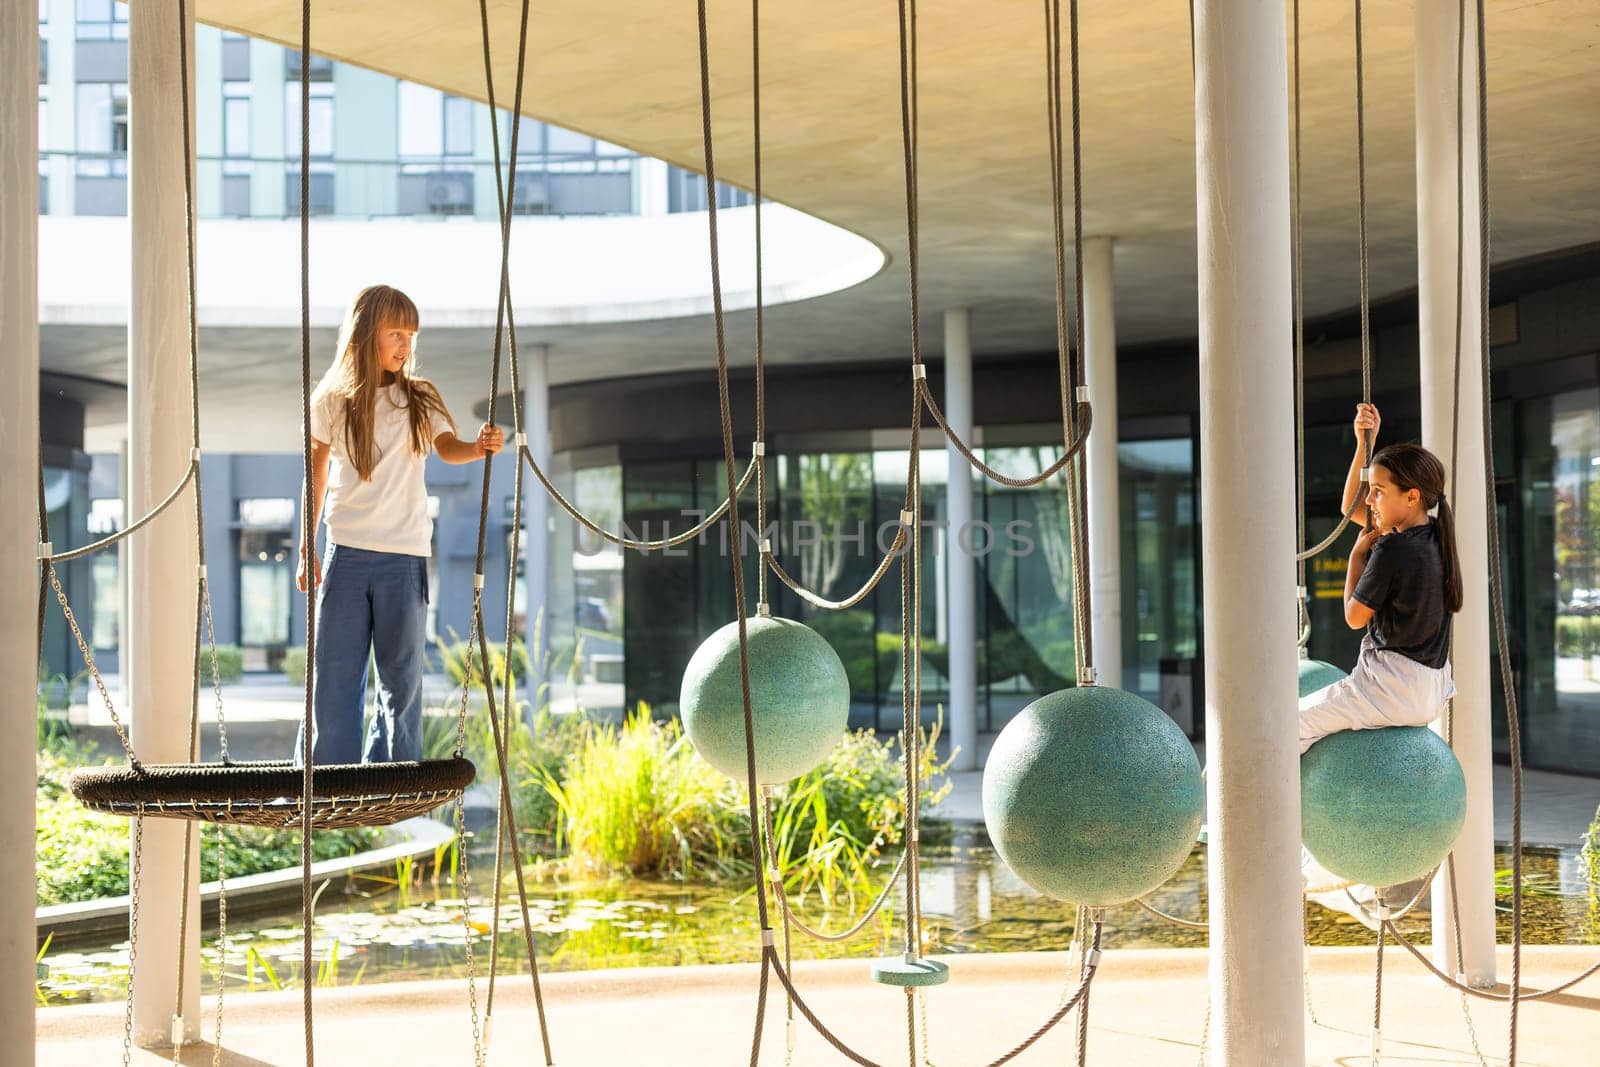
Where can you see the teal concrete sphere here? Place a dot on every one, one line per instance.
(799, 699)
(1381, 807)
(1092, 795)
(1315, 674)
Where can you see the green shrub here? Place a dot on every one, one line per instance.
(230, 663)
(832, 825)
(453, 656)
(83, 854)
(638, 800)
(294, 664)
(1589, 860)
(1577, 635)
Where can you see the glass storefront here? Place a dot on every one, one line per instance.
(833, 515)
(1160, 558)
(266, 561)
(1553, 577)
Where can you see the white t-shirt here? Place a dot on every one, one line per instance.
(389, 512)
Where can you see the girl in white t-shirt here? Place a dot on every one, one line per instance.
(373, 423)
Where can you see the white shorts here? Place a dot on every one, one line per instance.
(1385, 689)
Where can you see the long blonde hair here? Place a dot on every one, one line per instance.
(354, 379)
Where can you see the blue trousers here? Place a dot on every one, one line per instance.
(373, 602)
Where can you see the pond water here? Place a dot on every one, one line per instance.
(367, 931)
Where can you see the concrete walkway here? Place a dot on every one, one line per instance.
(1148, 1009)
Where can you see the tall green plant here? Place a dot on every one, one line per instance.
(832, 827)
(639, 800)
(1589, 856)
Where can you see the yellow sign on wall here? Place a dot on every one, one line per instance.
(1327, 577)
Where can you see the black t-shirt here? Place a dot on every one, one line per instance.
(1403, 584)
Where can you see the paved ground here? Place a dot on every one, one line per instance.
(1148, 1010)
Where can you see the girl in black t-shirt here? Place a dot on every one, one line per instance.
(1403, 585)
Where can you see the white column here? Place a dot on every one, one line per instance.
(1436, 73)
(1105, 538)
(960, 569)
(651, 181)
(536, 504)
(19, 460)
(162, 560)
(1246, 429)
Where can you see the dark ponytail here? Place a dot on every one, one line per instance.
(1414, 467)
(1446, 526)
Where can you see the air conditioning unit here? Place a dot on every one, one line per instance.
(449, 194)
(530, 197)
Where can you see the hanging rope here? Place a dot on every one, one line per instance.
(815, 600)
(308, 530)
(759, 460)
(1298, 298)
(1497, 579)
(1366, 439)
(506, 197)
(697, 530)
(725, 410)
(911, 571)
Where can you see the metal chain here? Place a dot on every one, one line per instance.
(468, 672)
(135, 867)
(768, 830)
(922, 1009)
(216, 671)
(465, 887)
(1377, 999)
(94, 671)
(222, 941)
(222, 952)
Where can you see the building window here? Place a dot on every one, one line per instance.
(436, 169)
(321, 66)
(266, 579)
(44, 132)
(266, 511)
(102, 129)
(105, 519)
(321, 138)
(102, 20)
(686, 191)
(236, 127)
(321, 132)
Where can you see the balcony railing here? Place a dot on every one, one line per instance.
(262, 187)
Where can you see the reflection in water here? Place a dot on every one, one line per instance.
(971, 903)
